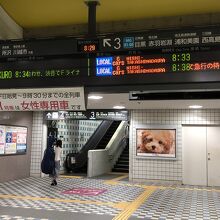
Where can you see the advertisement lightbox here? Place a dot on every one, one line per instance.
(13, 140)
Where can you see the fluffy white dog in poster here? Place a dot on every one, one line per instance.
(156, 141)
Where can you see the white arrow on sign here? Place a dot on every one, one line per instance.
(107, 42)
(49, 115)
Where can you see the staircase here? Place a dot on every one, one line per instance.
(122, 165)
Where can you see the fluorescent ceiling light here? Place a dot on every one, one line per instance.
(95, 97)
(118, 107)
(195, 106)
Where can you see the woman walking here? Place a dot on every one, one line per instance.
(58, 151)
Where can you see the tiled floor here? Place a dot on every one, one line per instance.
(34, 198)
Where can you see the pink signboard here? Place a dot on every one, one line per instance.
(84, 191)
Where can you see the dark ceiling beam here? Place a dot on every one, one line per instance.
(126, 26)
(92, 4)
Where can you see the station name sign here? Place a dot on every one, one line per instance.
(162, 39)
(111, 43)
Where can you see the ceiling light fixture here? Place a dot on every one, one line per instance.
(195, 106)
(118, 107)
(95, 97)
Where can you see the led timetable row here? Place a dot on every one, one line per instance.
(97, 67)
(163, 63)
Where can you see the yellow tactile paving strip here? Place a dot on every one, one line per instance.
(57, 200)
(133, 206)
(190, 189)
(114, 180)
(74, 177)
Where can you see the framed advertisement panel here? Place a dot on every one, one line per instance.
(13, 140)
(156, 143)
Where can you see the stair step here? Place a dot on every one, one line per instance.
(125, 152)
(120, 170)
(122, 167)
(122, 161)
(124, 155)
(122, 164)
(124, 158)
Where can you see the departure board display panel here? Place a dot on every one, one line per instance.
(193, 37)
(190, 55)
(156, 64)
(144, 40)
(162, 66)
(40, 47)
(38, 69)
(121, 65)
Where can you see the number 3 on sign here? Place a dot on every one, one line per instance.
(117, 43)
(92, 115)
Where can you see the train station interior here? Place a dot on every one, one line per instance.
(131, 88)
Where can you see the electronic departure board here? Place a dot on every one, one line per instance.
(30, 48)
(158, 64)
(130, 59)
(41, 69)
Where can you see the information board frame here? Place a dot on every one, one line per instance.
(187, 40)
(20, 146)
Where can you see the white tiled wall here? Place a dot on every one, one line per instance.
(74, 134)
(37, 143)
(143, 168)
(139, 168)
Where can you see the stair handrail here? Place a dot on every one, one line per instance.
(118, 142)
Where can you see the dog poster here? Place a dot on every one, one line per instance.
(156, 142)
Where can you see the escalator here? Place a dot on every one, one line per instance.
(78, 162)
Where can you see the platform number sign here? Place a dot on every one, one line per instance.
(112, 43)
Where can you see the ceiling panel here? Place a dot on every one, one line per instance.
(110, 100)
(44, 13)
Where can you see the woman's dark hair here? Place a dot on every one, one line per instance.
(59, 143)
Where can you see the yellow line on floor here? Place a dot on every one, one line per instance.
(75, 177)
(111, 182)
(132, 207)
(57, 200)
(118, 173)
(114, 180)
(120, 177)
(182, 188)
